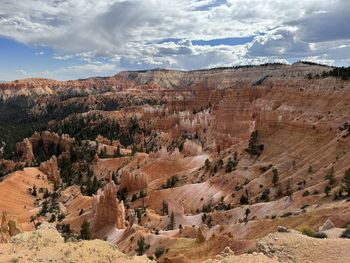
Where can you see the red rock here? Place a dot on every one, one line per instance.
(50, 168)
(107, 210)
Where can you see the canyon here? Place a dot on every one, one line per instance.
(191, 163)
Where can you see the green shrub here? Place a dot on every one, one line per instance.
(287, 214)
(306, 193)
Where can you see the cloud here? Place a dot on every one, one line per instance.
(113, 34)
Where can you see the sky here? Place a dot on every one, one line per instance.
(71, 39)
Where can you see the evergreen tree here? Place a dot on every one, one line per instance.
(165, 208)
(275, 177)
(171, 222)
(327, 189)
(142, 247)
(207, 164)
(85, 230)
(253, 147)
(330, 176)
(244, 200)
(289, 190)
(247, 212)
(34, 192)
(346, 181)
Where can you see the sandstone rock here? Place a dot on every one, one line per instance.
(106, 209)
(175, 207)
(191, 148)
(25, 150)
(14, 227)
(4, 223)
(9, 228)
(133, 181)
(328, 224)
(50, 168)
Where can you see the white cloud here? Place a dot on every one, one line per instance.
(108, 34)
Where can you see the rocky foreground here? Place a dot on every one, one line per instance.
(47, 245)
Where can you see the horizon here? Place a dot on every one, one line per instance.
(308, 63)
(68, 39)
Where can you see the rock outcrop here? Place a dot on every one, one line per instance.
(50, 168)
(47, 142)
(8, 228)
(191, 148)
(133, 181)
(25, 149)
(107, 210)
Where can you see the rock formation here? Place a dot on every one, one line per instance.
(49, 142)
(133, 181)
(107, 210)
(25, 149)
(8, 228)
(50, 168)
(14, 228)
(191, 148)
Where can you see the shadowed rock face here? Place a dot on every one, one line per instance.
(107, 210)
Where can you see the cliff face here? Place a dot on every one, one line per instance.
(107, 210)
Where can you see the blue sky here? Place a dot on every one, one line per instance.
(70, 39)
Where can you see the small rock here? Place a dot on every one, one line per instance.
(282, 229)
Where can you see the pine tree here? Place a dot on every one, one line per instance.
(327, 189)
(247, 212)
(330, 176)
(346, 181)
(165, 208)
(34, 192)
(275, 177)
(244, 200)
(289, 190)
(253, 144)
(85, 230)
(207, 164)
(171, 222)
(142, 247)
